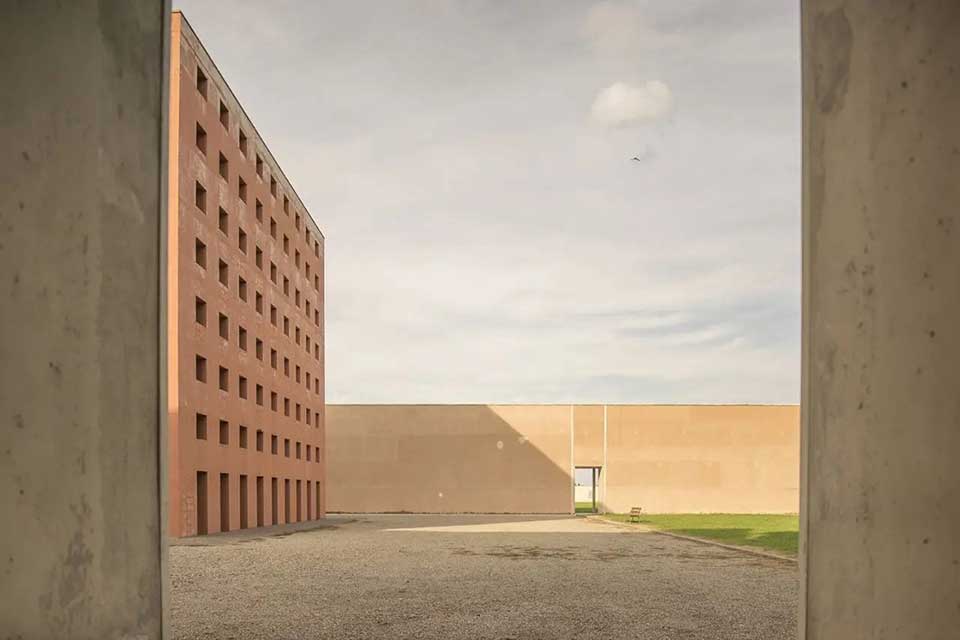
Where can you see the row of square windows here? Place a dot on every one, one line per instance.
(223, 276)
(201, 143)
(223, 223)
(223, 327)
(259, 440)
(202, 491)
(300, 414)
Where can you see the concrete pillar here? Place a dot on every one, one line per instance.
(80, 253)
(880, 538)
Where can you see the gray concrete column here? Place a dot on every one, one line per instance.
(80, 230)
(880, 538)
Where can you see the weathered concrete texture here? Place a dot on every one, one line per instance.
(881, 499)
(518, 458)
(80, 206)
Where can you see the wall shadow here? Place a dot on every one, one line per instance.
(449, 459)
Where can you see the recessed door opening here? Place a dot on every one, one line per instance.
(586, 490)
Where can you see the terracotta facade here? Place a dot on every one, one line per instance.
(245, 317)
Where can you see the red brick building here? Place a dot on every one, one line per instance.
(245, 316)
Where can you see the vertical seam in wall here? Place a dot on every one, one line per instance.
(606, 471)
(573, 469)
(163, 258)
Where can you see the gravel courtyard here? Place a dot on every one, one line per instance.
(496, 577)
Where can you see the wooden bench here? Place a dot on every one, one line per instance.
(635, 514)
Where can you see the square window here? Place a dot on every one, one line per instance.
(241, 240)
(200, 197)
(259, 439)
(224, 167)
(201, 369)
(224, 274)
(224, 222)
(273, 186)
(224, 379)
(259, 396)
(242, 288)
(259, 349)
(224, 327)
(243, 143)
(201, 311)
(243, 437)
(273, 228)
(273, 444)
(200, 253)
(224, 115)
(259, 211)
(224, 432)
(258, 303)
(242, 338)
(201, 139)
(201, 83)
(273, 400)
(201, 426)
(242, 384)
(259, 166)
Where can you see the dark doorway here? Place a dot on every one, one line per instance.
(243, 502)
(274, 502)
(201, 503)
(286, 501)
(259, 501)
(224, 502)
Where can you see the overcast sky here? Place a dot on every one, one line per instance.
(488, 236)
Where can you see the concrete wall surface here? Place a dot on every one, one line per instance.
(881, 493)
(518, 458)
(81, 115)
(449, 459)
(699, 459)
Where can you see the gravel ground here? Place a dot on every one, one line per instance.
(496, 577)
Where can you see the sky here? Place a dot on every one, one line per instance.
(538, 201)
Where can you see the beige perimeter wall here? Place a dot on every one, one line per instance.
(520, 458)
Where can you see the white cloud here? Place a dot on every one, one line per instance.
(621, 104)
